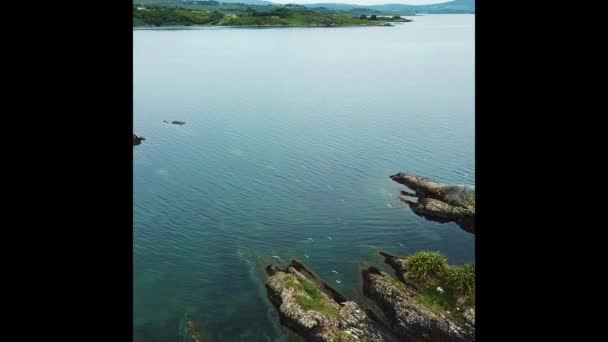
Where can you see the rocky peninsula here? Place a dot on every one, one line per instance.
(314, 310)
(439, 201)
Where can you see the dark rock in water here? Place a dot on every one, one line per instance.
(408, 319)
(137, 140)
(387, 24)
(271, 270)
(314, 310)
(440, 202)
(175, 122)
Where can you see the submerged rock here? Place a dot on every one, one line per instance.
(137, 140)
(316, 311)
(438, 201)
(191, 331)
(407, 318)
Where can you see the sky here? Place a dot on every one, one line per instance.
(362, 2)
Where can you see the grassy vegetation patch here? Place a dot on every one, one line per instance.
(431, 271)
(437, 301)
(462, 280)
(292, 282)
(424, 266)
(314, 299)
(396, 283)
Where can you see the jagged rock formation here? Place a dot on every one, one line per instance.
(409, 317)
(438, 201)
(314, 310)
(410, 320)
(399, 266)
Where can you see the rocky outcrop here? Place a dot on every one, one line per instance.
(314, 310)
(400, 267)
(438, 201)
(137, 140)
(408, 319)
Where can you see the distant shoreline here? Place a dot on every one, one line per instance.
(221, 15)
(150, 27)
(165, 16)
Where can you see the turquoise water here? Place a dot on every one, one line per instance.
(289, 140)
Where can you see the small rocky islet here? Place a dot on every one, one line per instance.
(193, 332)
(418, 305)
(138, 139)
(439, 202)
(190, 330)
(176, 122)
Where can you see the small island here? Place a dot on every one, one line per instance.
(253, 16)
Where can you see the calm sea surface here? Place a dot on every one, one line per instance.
(291, 135)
